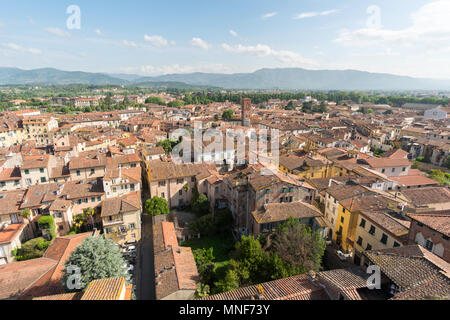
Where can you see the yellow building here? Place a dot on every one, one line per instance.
(348, 216)
(304, 167)
(378, 230)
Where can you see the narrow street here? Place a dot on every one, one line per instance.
(145, 281)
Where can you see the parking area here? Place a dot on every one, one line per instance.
(129, 252)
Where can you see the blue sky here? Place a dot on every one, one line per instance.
(407, 37)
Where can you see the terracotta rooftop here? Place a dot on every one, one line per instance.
(9, 233)
(436, 220)
(412, 267)
(105, 289)
(428, 195)
(274, 212)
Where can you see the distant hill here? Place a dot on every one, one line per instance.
(54, 76)
(297, 78)
(285, 78)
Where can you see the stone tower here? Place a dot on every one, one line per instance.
(246, 111)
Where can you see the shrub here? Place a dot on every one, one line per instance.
(47, 224)
(31, 249)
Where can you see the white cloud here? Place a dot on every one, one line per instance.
(150, 70)
(98, 32)
(313, 14)
(158, 41)
(430, 27)
(268, 15)
(233, 33)
(287, 57)
(128, 43)
(197, 42)
(18, 48)
(57, 32)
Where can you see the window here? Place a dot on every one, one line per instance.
(404, 169)
(99, 198)
(359, 242)
(267, 191)
(131, 226)
(291, 189)
(162, 183)
(162, 195)
(363, 223)
(133, 165)
(284, 190)
(369, 247)
(281, 200)
(180, 181)
(27, 171)
(180, 192)
(383, 171)
(92, 171)
(108, 231)
(291, 199)
(3, 183)
(372, 230)
(343, 210)
(429, 245)
(384, 238)
(93, 199)
(41, 170)
(393, 169)
(342, 219)
(78, 173)
(396, 244)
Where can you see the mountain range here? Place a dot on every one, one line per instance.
(281, 78)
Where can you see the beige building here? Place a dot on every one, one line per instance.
(121, 218)
(36, 169)
(176, 183)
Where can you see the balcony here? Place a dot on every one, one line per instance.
(112, 223)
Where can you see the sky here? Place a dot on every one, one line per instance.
(404, 37)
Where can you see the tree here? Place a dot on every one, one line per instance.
(388, 112)
(175, 104)
(307, 107)
(229, 283)
(200, 205)
(167, 145)
(290, 106)
(216, 117)
(47, 225)
(156, 206)
(299, 246)
(228, 114)
(322, 107)
(96, 258)
(155, 100)
(250, 258)
(202, 291)
(31, 249)
(25, 213)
